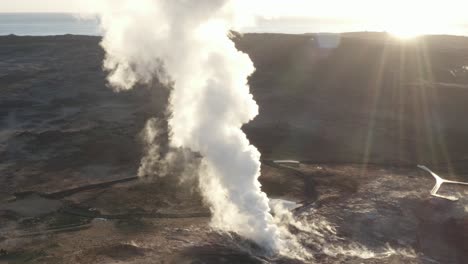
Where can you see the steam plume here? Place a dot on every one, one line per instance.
(185, 44)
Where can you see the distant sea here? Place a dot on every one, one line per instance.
(44, 24)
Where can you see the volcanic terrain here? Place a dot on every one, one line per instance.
(359, 111)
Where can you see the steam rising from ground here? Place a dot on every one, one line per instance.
(160, 160)
(185, 44)
(315, 233)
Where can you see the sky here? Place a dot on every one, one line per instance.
(438, 9)
(39, 6)
(399, 16)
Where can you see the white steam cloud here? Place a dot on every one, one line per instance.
(185, 44)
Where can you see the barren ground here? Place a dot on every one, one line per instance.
(359, 116)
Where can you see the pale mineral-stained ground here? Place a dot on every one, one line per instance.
(70, 150)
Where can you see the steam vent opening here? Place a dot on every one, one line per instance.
(233, 131)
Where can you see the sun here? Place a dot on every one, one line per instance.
(408, 19)
(405, 33)
(409, 27)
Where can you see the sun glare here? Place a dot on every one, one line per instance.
(409, 19)
(405, 32)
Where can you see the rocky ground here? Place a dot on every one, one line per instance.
(359, 111)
